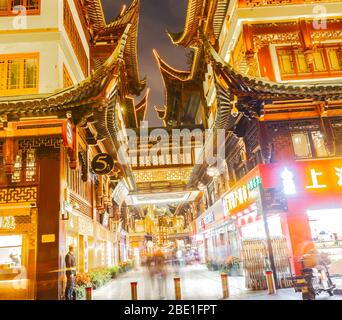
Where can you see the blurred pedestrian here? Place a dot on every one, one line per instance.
(160, 273)
(70, 273)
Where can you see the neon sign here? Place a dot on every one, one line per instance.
(318, 178)
(242, 194)
(289, 186)
(254, 183)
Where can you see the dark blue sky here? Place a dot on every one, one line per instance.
(156, 17)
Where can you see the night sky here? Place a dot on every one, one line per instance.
(156, 17)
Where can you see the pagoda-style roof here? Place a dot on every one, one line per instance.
(77, 97)
(94, 14)
(192, 22)
(206, 15)
(176, 84)
(106, 38)
(251, 93)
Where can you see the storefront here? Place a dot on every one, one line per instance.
(104, 246)
(80, 233)
(216, 235)
(18, 241)
(313, 191)
(292, 207)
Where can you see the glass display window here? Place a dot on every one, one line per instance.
(10, 256)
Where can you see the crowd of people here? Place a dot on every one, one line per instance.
(161, 263)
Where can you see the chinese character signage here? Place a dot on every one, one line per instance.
(304, 177)
(241, 195)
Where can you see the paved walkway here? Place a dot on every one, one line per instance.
(197, 283)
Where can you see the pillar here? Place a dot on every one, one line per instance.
(297, 230)
(48, 262)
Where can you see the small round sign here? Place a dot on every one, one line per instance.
(102, 163)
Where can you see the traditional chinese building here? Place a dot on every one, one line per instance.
(273, 83)
(66, 94)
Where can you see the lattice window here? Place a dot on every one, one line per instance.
(75, 39)
(19, 74)
(74, 177)
(11, 7)
(25, 167)
(324, 61)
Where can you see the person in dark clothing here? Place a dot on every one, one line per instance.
(70, 272)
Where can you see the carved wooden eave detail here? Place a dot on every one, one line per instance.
(174, 81)
(253, 93)
(83, 97)
(94, 14)
(205, 15)
(109, 35)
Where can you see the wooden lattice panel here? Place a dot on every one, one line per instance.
(18, 195)
(179, 174)
(28, 144)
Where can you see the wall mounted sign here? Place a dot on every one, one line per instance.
(104, 219)
(274, 200)
(242, 194)
(102, 164)
(68, 134)
(7, 222)
(48, 238)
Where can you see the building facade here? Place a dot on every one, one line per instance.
(63, 90)
(272, 81)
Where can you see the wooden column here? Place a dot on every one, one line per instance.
(48, 262)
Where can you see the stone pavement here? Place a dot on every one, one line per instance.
(197, 283)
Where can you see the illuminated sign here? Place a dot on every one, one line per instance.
(241, 195)
(209, 218)
(289, 186)
(254, 183)
(318, 179)
(7, 222)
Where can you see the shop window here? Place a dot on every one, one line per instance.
(9, 7)
(30, 165)
(16, 176)
(18, 74)
(319, 144)
(10, 256)
(326, 62)
(25, 167)
(309, 144)
(301, 145)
